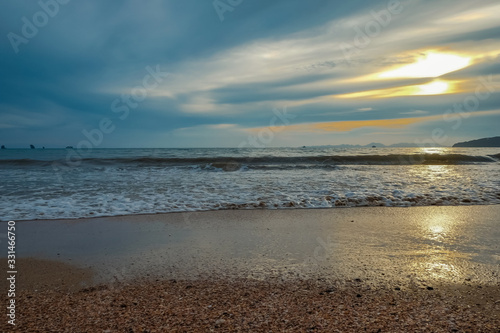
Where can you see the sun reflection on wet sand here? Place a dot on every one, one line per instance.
(437, 233)
(441, 270)
(442, 228)
(440, 235)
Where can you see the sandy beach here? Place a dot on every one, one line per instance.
(347, 270)
(250, 166)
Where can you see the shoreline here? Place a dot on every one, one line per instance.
(242, 209)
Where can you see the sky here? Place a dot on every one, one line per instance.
(248, 73)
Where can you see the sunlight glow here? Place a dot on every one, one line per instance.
(349, 125)
(439, 230)
(436, 87)
(434, 150)
(433, 88)
(432, 65)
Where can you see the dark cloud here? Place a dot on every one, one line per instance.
(483, 34)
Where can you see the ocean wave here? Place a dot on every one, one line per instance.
(270, 162)
(117, 205)
(497, 156)
(24, 162)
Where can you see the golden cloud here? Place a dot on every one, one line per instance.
(345, 126)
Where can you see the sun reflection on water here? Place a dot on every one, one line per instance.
(434, 150)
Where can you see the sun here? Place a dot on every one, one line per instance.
(431, 65)
(433, 88)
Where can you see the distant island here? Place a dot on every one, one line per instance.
(370, 145)
(486, 142)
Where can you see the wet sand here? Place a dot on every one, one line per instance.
(438, 265)
(382, 245)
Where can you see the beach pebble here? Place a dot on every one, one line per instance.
(244, 305)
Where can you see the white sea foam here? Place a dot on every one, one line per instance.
(37, 192)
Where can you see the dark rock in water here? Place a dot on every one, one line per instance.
(227, 166)
(374, 146)
(32, 147)
(69, 147)
(3, 147)
(486, 142)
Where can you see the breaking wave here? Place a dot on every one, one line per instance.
(267, 162)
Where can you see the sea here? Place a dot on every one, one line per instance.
(68, 183)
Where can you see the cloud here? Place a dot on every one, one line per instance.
(265, 54)
(345, 126)
(415, 112)
(483, 67)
